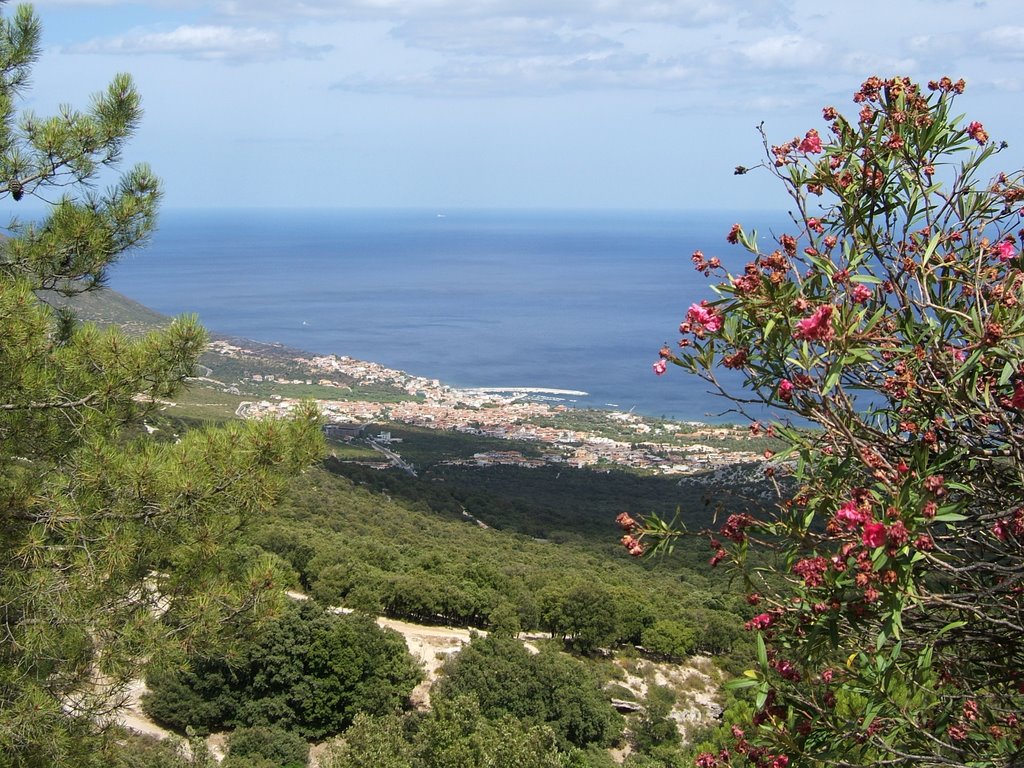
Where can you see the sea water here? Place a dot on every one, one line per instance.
(562, 300)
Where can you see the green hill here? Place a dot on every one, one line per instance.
(104, 306)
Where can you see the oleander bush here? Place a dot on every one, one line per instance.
(884, 334)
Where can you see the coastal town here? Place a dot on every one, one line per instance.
(519, 415)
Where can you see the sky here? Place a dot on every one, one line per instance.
(446, 104)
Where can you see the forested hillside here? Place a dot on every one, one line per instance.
(361, 548)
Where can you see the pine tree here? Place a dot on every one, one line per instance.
(115, 547)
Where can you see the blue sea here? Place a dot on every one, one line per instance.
(563, 300)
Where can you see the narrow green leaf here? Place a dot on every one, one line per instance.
(951, 626)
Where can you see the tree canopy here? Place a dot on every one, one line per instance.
(548, 688)
(310, 672)
(114, 544)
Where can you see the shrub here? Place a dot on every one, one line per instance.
(282, 748)
(548, 688)
(884, 335)
(311, 673)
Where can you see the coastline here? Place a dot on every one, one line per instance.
(357, 392)
(526, 390)
(577, 301)
(561, 434)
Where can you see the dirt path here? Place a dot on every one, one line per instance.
(134, 719)
(430, 646)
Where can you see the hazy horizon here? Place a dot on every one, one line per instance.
(505, 103)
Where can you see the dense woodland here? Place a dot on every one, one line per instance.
(369, 543)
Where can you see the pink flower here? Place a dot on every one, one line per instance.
(786, 670)
(971, 710)
(811, 143)
(660, 367)
(704, 317)
(873, 535)
(761, 621)
(626, 521)
(956, 732)
(977, 132)
(850, 515)
(811, 570)
(734, 527)
(817, 327)
(924, 542)
(1001, 530)
(785, 390)
(897, 535)
(1005, 250)
(860, 293)
(632, 545)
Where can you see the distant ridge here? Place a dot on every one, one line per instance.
(105, 306)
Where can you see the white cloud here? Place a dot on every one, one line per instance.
(161, 5)
(536, 75)
(206, 42)
(785, 52)
(670, 11)
(511, 36)
(772, 103)
(733, 51)
(936, 45)
(864, 64)
(1004, 42)
(682, 12)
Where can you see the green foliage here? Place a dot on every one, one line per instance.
(249, 761)
(453, 735)
(114, 546)
(372, 742)
(890, 319)
(547, 688)
(201, 696)
(586, 613)
(356, 548)
(655, 728)
(131, 750)
(310, 672)
(555, 503)
(283, 749)
(504, 620)
(668, 639)
(105, 307)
